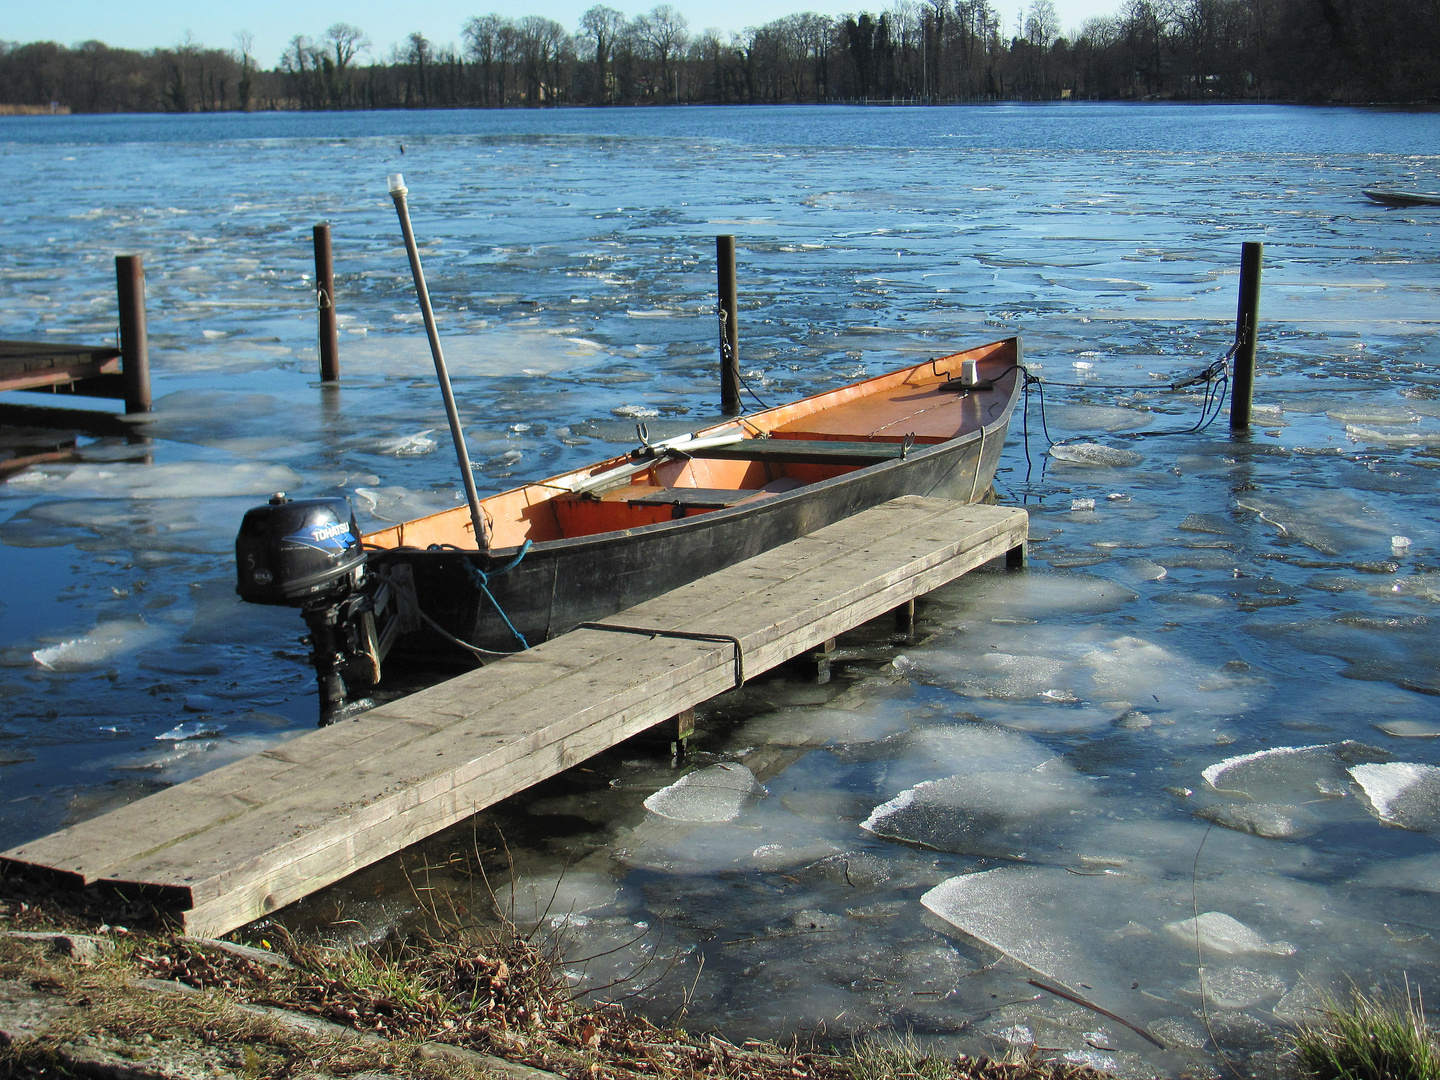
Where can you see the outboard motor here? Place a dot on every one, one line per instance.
(306, 553)
(295, 552)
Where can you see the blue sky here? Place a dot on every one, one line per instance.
(140, 24)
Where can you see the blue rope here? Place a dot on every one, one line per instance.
(481, 581)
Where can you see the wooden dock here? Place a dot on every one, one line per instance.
(237, 843)
(121, 372)
(93, 370)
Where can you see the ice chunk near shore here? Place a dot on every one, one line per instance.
(104, 643)
(1037, 595)
(1296, 773)
(1402, 793)
(1332, 522)
(1090, 930)
(1095, 454)
(1217, 932)
(714, 794)
(1420, 873)
(1268, 820)
(989, 813)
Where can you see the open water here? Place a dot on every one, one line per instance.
(1214, 693)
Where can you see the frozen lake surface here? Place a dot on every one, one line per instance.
(1188, 766)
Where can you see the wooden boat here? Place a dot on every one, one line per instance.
(1401, 198)
(581, 546)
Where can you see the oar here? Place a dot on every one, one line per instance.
(398, 191)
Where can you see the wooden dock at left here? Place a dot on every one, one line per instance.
(237, 843)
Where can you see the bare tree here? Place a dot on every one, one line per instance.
(1042, 24)
(601, 27)
(663, 33)
(245, 48)
(485, 43)
(417, 54)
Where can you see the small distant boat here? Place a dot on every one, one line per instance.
(579, 547)
(1401, 198)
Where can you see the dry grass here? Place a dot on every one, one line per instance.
(493, 988)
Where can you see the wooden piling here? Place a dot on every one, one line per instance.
(325, 301)
(1247, 319)
(729, 326)
(1017, 558)
(905, 621)
(134, 338)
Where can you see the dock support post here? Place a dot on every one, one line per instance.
(134, 338)
(1247, 318)
(1017, 558)
(325, 299)
(905, 622)
(682, 727)
(821, 659)
(729, 326)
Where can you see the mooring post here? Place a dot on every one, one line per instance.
(729, 326)
(325, 299)
(1247, 319)
(134, 339)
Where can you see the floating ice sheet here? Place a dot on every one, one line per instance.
(1291, 773)
(1332, 522)
(176, 480)
(414, 445)
(1272, 821)
(1095, 454)
(1217, 932)
(195, 729)
(717, 793)
(1037, 595)
(1402, 793)
(1003, 814)
(1419, 872)
(106, 642)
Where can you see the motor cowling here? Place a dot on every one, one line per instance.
(296, 552)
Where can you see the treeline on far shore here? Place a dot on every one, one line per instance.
(940, 50)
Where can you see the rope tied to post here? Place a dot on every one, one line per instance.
(727, 354)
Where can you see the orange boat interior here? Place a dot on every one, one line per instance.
(778, 450)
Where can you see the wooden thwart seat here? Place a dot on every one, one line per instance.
(805, 451)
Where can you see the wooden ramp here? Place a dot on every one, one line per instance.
(241, 841)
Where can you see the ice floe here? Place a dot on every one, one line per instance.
(1095, 454)
(714, 794)
(106, 642)
(1217, 932)
(1402, 793)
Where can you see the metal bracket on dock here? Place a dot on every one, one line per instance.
(688, 635)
